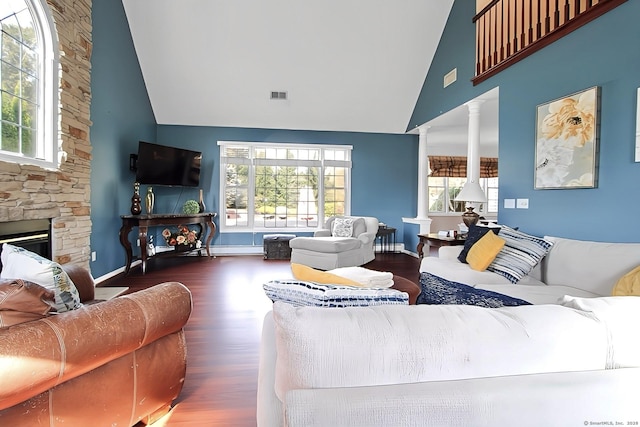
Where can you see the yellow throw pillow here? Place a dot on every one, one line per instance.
(628, 285)
(484, 251)
(308, 274)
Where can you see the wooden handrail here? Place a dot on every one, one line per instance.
(506, 35)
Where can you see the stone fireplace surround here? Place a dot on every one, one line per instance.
(63, 195)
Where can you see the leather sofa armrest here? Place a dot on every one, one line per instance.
(83, 281)
(53, 350)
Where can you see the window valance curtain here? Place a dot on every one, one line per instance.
(456, 166)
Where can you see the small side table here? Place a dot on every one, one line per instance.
(387, 235)
(434, 239)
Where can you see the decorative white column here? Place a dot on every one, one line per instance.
(473, 146)
(471, 191)
(422, 218)
(423, 172)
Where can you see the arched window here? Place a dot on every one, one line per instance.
(29, 84)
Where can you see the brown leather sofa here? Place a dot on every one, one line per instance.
(112, 363)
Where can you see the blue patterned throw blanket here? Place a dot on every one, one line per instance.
(436, 290)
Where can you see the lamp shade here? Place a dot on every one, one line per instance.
(471, 192)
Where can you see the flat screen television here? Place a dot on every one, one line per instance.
(163, 165)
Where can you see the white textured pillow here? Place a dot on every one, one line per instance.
(19, 263)
(520, 254)
(391, 344)
(621, 316)
(342, 227)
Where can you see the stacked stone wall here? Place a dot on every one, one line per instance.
(63, 195)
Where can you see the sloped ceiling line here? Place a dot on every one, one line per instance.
(353, 66)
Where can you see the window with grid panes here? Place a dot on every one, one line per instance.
(271, 186)
(28, 84)
(443, 191)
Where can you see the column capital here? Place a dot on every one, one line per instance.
(474, 105)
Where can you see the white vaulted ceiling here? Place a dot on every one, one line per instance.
(346, 65)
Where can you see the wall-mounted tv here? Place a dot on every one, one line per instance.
(163, 165)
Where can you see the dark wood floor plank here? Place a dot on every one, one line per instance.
(223, 333)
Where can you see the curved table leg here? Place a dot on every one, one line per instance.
(212, 231)
(419, 248)
(124, 241)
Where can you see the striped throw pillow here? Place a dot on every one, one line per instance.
(520, 254)
(302, 293)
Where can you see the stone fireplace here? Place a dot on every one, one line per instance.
(61, 196)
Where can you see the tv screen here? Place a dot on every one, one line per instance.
(164, 165)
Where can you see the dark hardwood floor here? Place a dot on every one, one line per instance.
(223, 333)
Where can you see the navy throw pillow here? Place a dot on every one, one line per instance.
(475, 233)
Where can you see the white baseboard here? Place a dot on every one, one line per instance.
(98, 280)
(221, 250)
(238, 250)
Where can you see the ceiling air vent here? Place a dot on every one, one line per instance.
(278, 95)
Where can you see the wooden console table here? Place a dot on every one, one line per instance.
(433, 239)
(143, 222)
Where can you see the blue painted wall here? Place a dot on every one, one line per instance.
(383, 172)
(600, 53)
(121, 115)
(384, 166)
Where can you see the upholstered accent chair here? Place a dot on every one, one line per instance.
(344, 241)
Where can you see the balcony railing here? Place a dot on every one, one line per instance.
(510, 30)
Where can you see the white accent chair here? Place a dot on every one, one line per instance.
(326, 251)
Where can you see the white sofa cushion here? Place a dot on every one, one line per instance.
(538, 294)
(330, 245)
(592, 266)
(360, 346)
(553, 399)
(621, 315)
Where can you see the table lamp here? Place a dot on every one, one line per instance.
(473, 193)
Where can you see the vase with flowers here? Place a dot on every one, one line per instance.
(184, 239)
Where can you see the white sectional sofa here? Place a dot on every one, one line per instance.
(451, 365)
(572, 267)
(571, 358)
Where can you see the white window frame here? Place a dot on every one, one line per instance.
(252, 162)
(480, 208)
(48, 154)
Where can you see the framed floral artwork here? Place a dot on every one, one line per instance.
(567, 141)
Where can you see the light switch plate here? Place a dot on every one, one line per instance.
(509, 203)
(522, 203)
